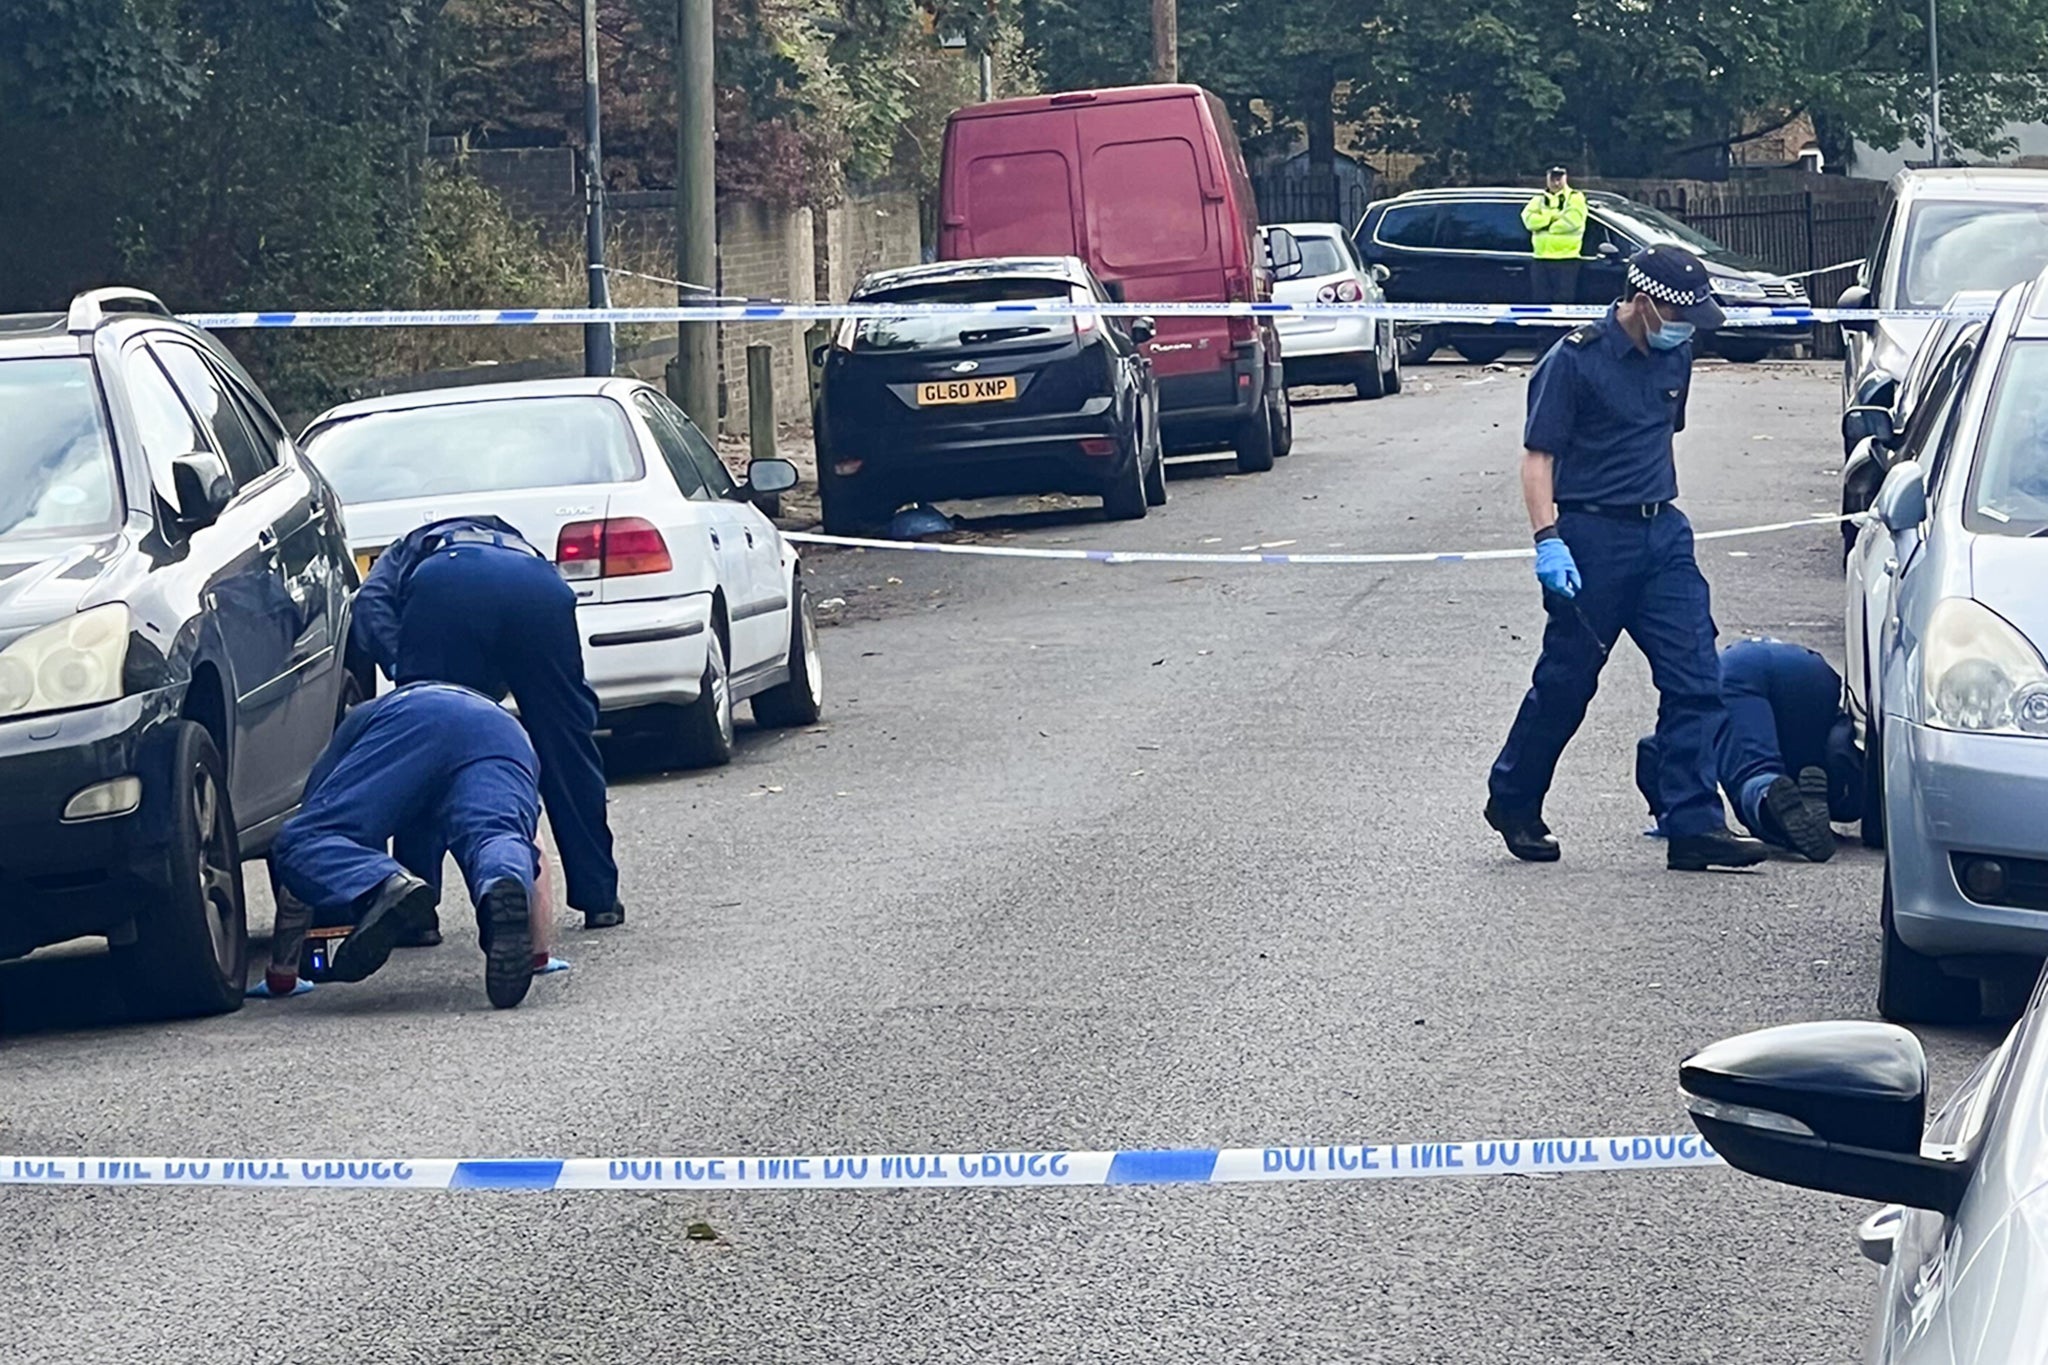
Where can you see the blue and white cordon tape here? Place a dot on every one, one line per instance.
(894, 1171)
(1776, 315)
(1253, 556)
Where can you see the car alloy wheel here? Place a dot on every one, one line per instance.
(216, 867)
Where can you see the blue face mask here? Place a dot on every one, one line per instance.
(1669, 336)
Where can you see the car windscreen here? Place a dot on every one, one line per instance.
(57, 476)
(1322, 256)
(885, 331)
(1953, 245)
(1653, 227)
(2008, 492)
(494, 445)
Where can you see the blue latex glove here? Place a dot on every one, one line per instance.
(1555, 568)
(553, 965)
(261, 990)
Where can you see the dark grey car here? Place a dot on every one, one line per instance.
(174, 595)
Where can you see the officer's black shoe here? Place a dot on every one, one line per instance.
(1800, 811)
(427, 935)
(508, 943)
(1525, 834)
(1715, 848)
(400, 906)
(605, 919)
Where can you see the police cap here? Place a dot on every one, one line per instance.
(1674, 276)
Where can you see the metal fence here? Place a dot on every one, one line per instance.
(1309, 199)
(1796, 233)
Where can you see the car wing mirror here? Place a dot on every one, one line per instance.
(1283, 253)
(1867, 420)
(768, 477)
(1143, 330)
(1856, 296)
(1381, 274)
(201, 487)
(1839, 1107)
(1902, 499)
(1607, 249)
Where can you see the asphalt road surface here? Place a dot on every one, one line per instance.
(1082, 857)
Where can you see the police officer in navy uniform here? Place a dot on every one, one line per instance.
(1613, 554)
(468, 600)
(1786, 755)
(433, 757)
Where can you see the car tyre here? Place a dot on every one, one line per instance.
(845, 513)
(1743, 352)
(1372, 376)
(1124, 500)
(1480, 352)
(801, 700)
(1415, 345)
(1155, 473)
(1283, 422)
(1390, 349)
(1912, 988)
(704, 729)
(191, 947)
(1872, 829)
(1254, 443)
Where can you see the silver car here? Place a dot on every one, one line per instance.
(1947, 623)
(1328, 348)
(1946, 231)
(1839, 1107)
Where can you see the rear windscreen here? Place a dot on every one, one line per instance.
(499, 444)
(56, 464)
(1021, 205)
(1321, 256)
(883, 331)
(1148, 205)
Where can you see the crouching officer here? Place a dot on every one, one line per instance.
(432, 757)
(1613, 554)
(1786, 753)
(467, 600)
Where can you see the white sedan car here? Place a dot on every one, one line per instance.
(1327, 348)
(688, 599)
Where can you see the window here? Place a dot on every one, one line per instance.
(1413, 226)
(1871, 271)
(1483, 226)
(207, 396)
(166, 426)
(903, 332)
(717, 479)
(488, 446)
(56, 465)
(2009, 483)
(1322, 256)
(668, 439)
(1975, 244)
(1147, 203)
(1956, 374)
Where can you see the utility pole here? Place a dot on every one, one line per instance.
(1165, 41)
(988, 76)
(598, 351)
(1933, 89)
(693, 379)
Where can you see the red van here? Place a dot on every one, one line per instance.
(1148, 186)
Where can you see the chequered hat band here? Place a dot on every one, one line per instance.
(1662, 292)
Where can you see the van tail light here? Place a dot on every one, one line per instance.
(618, 547)
(1243, 330)
(1237, 288)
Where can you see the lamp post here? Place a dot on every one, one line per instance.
(598, 352)
(1933, 88)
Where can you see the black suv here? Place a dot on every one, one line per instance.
(174, 592)
(1469, 246)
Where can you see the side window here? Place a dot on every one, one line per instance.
(1965, 361)
(716, 477)
(1413, 226)
(270, 436)
(668, 438)
(165, 425)
(207, 395)
(1483, 227)
(1871, 271)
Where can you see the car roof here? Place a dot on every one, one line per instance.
(38, 334)
(1069, 268)
(578, 386)
(1312, 229)
(1451, 194)
(1988, 182)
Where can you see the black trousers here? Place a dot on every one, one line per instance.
(1554, 281)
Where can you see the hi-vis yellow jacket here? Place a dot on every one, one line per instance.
(1557, 224)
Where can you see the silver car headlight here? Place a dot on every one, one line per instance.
(70, 663)
(1730, 288)
(1978, 673)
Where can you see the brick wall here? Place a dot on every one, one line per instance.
(865, 234)
(765, 253)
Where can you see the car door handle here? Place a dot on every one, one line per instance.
(714, 540)
(750, 537)
(1891, 568)
(266, 540)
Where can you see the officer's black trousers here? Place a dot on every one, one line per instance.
(494, 618)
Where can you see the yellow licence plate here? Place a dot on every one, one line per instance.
(944, 391)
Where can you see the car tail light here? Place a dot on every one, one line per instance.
(1349, 292)
(1098, 445)
(618, 547)
(1327, 294)
(1084, 323)
(846, 469)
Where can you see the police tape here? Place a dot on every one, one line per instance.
(1512, 314)
(1253, 556)
(953, 1170)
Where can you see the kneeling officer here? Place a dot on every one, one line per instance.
(468, 600)
(432, 759)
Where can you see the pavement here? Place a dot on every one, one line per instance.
(1081, 856)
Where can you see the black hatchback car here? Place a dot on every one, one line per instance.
(971, 405)
(1469, 246)
(174, 591)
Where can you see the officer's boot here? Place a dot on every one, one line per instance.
(1524, 832)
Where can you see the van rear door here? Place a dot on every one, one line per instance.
(1155, 198)
(1015, 189)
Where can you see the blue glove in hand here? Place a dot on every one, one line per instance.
(1555, 568)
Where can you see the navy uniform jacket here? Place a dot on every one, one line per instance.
(381, 601)
(462, 731)
(1606, 412)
